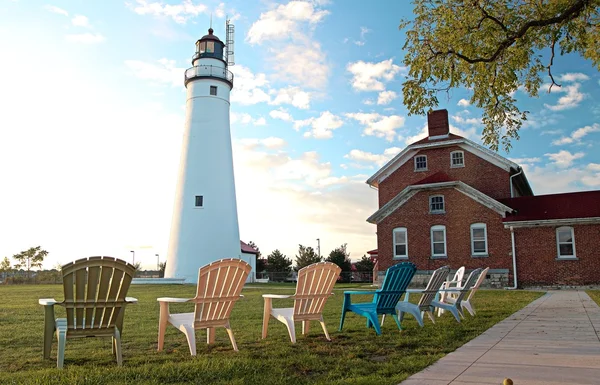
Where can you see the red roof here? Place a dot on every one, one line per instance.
(427, 140)
(438, 177)
(248, 249)
(585, 204)
(373, 251)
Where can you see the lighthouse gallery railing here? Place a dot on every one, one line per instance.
(205, 71)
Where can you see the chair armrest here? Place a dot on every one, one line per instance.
(277, 296)
(363, 292)
(415, 290)
(47, 301)
(452, 290)
(131, 300)
(174, 300)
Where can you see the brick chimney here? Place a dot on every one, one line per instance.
(437, 121)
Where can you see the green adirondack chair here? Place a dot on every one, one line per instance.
(385, 299)
(95, 292)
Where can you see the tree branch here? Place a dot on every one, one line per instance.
(550, 65)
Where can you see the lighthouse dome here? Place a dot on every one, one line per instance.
(209, 46)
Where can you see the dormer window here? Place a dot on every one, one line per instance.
(457, 159)
(436, 204)
(421, 163)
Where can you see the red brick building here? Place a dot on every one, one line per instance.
(446, 200)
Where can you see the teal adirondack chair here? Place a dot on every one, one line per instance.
(385, 299)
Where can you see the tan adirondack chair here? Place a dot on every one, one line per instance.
(219, 286)
(95, 292)
(314, 286)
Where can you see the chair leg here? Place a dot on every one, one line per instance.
(49, 328)
(430, 315)
(382, 320)
(61, 336)
(210, 335)
(454, 312)
(342, 318)
(467, 305)
(324, 329)
(291, 329)
(372, 319)
(117, 347)
(162, 324)
(305, 327)
(231, 337)
(395, 316)
(190, 335)
(266, 316)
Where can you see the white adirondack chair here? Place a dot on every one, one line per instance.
(219, 286)
(95, 292)
(314, 286)
(455, 282)
(466, 303)
(454, 305)
(425, 305)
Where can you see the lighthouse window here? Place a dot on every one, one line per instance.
(210, 46)
(201, 46)
(199, 201)
(213, 90)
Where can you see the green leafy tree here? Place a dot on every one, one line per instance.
(261, 263)
(365, 264)
(492, 47)
(306, 256)
(161, 269)
(5, 267)
(253, 245)
(278, 263)
(340, 257)
(30, 258)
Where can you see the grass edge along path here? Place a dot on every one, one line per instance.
(356, 355)
(595, 295)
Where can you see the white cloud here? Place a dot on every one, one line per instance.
(522, 161)
(386, 97)
(54, 9)
(460, 120)
(573, 77)
(245, 119)
(270, 143)
(571, 100)
(378, 159)
(577, 135)
(301, 63)
(80, 21)
(281, 114)
(551, 132)
(463, 103)
(322, 127)
(284, 21)
(248, 87)
(180, 13)
(164, 72)
(86, 38)
(564, 158)
(363, 32)
(378, 125)
(370, 76)
(260, 122)
(594, 167)
(291, 95)
(369, 102)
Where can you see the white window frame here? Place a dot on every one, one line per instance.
(558, 242)
(400, 230)
(473, 240)
(452, 165)
(431, 210)
(421, 156)
(438, 228)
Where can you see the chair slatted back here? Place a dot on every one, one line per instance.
(220, 284)
(95, 289)
(479, 282)
(469, 283)
(459, 275)
(435, 283)
(315, 285)
(397, 278)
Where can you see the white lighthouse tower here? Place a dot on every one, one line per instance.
(205, 223)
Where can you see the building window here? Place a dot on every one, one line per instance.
(438, 241)
(436, 204)
(457, 159)
(213, 90)
(421, 163)
(210, 46)
(565, 242)
(199, 201)
(400, 243)
(479, 239)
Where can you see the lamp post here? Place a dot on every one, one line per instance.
(319, 247)
(133, 257)
(157, 262)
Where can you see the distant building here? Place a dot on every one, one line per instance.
(445, 200)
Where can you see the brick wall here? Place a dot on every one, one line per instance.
(537, 262)
(478, 173)
(461, 212)
(437, 123)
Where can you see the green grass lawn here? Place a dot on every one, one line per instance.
(595, 295)
(355, 356)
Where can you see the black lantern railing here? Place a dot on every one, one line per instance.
(204, 71)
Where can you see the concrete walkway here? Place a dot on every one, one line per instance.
(553, 340)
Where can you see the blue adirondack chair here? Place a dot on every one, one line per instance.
(385, 299)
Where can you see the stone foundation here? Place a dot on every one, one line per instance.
(495, 279)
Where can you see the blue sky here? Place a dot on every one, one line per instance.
(92, 107)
